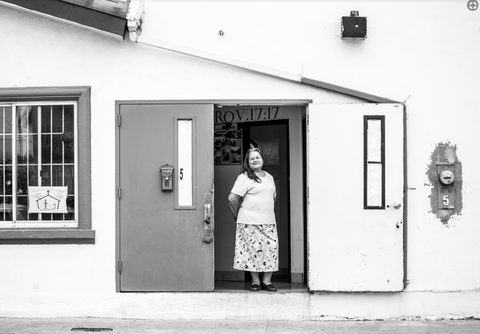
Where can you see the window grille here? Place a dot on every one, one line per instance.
(38, 150)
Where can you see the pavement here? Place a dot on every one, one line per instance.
(134, 326)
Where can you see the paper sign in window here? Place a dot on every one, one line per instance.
(47, 199)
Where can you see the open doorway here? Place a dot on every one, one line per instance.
(275, 134)
(272, 138)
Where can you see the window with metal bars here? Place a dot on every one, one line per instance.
(45, 165)
(37, 151)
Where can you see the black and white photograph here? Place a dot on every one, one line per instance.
(239, 166)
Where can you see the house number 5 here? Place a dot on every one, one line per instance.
(181, 175)
(446, 200)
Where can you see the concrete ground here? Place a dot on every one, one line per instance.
(109, 325)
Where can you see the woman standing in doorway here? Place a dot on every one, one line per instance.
(252, 201)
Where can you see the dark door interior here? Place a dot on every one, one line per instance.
(272, 139)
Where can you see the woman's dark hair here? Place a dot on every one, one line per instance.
(246, 166)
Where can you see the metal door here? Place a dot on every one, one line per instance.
(356, 197)
(165, 237)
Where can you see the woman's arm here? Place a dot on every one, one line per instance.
(234, 201)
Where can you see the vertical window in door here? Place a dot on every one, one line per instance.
(374, 164)
(185, 163)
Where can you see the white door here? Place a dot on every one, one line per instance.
(356, 191)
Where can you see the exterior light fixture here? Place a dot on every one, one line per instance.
(354, 26)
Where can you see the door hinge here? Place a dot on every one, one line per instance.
(119, 193)
(119, 265)
(119, 120)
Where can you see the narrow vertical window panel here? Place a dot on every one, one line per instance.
(46, 178)
(2, 166)
(185, 168)
(374, 164)
(374, 185)
(8, 149)
(2, 120)
(69, 134)
(8, 115)
(46, 119)
(374, 140)
(4, 111)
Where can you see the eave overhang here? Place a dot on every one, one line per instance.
(105, 16)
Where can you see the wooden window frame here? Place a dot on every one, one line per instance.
(83, 234)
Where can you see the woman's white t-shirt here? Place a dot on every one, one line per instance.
(258, 203)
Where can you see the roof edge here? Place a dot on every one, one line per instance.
(346, 91)
(258, 69)
(64, 12)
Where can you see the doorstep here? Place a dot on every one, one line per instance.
(242, 286)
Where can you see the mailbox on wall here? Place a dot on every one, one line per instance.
(166, 172)
(446, 186)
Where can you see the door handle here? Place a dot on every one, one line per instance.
(207, 219)
(208, 238)
(395, 205)
(208, 213)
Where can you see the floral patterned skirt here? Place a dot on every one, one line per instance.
(256, 248)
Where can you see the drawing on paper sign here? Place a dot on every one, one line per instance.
(47, 199)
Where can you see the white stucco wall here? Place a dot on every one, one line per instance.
(420, 52)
